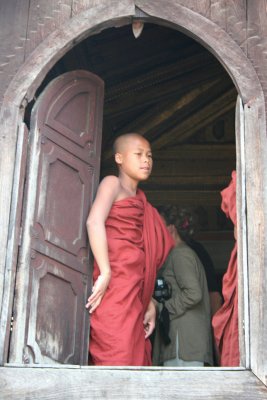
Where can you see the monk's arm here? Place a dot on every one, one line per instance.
(106, 195)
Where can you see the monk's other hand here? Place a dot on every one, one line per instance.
(98, 291)
(149, 319)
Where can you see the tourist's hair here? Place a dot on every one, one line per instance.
(181, 218)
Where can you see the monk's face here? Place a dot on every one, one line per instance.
(135, 158)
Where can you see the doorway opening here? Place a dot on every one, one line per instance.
(169, 88)
(173, 91)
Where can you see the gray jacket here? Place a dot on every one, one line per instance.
(189, 309)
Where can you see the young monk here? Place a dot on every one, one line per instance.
(129, 242)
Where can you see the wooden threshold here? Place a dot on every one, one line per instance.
(75, 382)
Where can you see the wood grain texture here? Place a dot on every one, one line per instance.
(201, 7)
(257, 39)
(13, 39)
(14, 239)
(44, 18)
(8, 142)
(256, 183)
(127, 383)
(231, 16)
(218, 13)
(211, 36)
(236, 22)
(79, 6)
(243, 312)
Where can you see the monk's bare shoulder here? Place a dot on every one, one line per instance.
(107, 193)
(112, 189)
(110, 183)
(109, 187)
(110, 180)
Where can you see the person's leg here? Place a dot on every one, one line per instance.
(177, 362)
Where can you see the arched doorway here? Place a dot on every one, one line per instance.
(183, 19)
(174, 92)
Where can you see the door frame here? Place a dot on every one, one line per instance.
(225, 49)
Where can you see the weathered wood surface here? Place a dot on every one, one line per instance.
(257, 39)
(243, 311)
(44, 17)
(13, 23)
(8, 142)
(54, 272)
(14, 237)
(231, 16)
(118, 383)
(256, 184)
(213, 37)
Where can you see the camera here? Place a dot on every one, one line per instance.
(162, 290)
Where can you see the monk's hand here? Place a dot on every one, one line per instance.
(98, 292)
(149, 319)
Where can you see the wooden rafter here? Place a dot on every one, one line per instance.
(188, 127)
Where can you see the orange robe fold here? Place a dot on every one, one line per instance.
(138, 244)
(225, 321)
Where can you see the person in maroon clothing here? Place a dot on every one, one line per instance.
(129, 242)
(225, 321)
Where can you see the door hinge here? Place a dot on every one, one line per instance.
(20, 236)
(11, 323)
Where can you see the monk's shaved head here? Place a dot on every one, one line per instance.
(122, 141)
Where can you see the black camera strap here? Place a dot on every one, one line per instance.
(164, 325)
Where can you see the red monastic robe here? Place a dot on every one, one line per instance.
(225, 321)
(138, 244)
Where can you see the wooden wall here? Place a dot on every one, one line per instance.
(244, 20)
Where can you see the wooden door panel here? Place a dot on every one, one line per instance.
(55, 270)
(77, 132)
(79, 128)
(55, 321)
(62, 217)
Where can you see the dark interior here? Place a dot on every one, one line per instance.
(173, 91)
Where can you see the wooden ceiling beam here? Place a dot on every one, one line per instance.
(160, 74)
(136, 61)
(184, 198)
(165, 113)
(197, 152)
(199, 181)
(122, 38)
(155, 116)
(187, 105)
(154, 92)
(188, 127)
(191, 167)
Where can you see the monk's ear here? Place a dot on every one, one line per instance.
(118, 158)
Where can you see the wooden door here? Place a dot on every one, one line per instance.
(54, 270)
